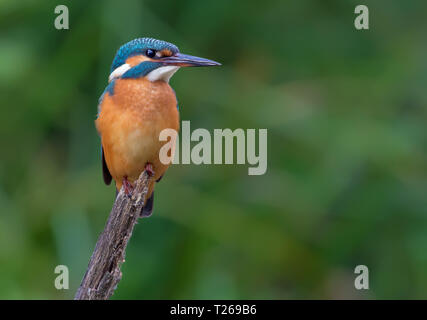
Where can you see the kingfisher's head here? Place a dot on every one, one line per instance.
(153, 59)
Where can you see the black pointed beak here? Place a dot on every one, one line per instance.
(185, 60)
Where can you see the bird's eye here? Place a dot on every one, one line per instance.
(150, 53)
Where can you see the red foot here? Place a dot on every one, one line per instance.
(127, 186)
(149, 169)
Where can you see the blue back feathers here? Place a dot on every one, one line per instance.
(110, 90)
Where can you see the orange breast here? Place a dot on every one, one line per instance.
(130, 122)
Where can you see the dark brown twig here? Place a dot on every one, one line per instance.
(103, 273)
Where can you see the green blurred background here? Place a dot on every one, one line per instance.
(347, 150)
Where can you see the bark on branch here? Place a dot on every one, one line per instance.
(103, 273)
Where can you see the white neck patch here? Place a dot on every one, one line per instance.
(162, 73)
(118, 72)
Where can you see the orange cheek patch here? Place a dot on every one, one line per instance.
(135, 60)
(166, 53)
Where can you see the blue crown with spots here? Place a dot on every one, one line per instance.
(139, 46)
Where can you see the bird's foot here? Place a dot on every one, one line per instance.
(149, 169)
(128, 187)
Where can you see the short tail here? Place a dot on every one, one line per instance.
(147, 209)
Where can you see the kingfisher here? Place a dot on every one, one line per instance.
(137, 104)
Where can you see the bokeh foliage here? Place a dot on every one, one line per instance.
(347, 149)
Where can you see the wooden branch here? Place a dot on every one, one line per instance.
(103, 273)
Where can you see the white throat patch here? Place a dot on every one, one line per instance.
(118, 72)
(162, 73)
